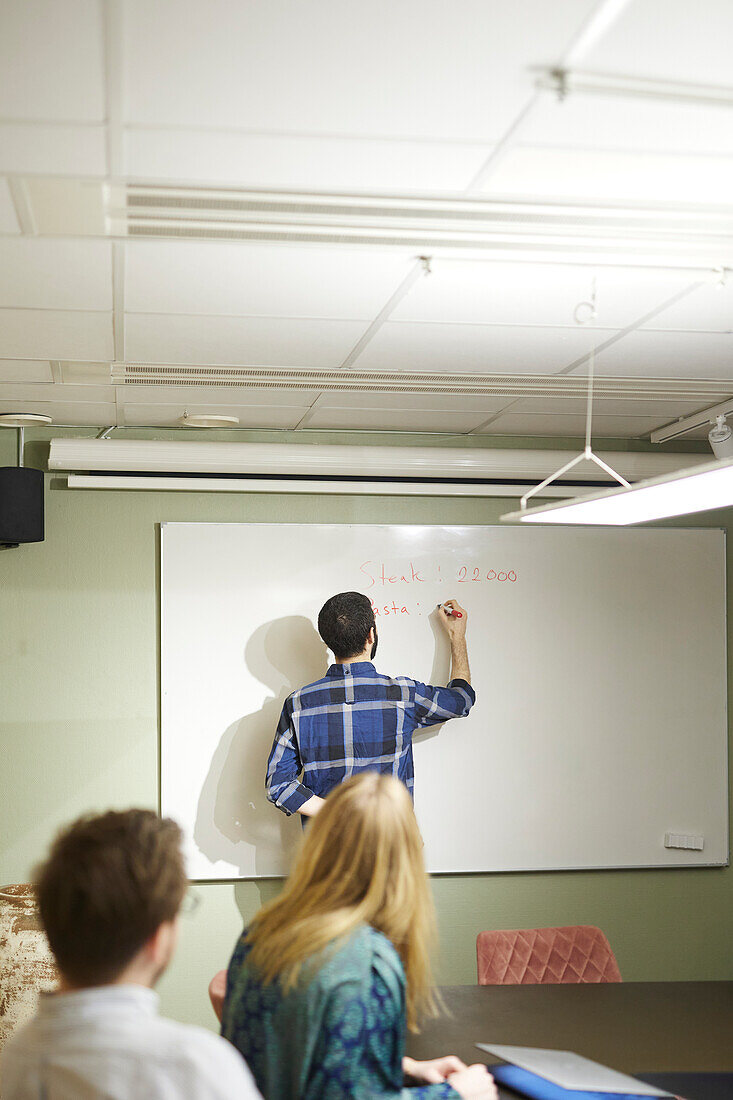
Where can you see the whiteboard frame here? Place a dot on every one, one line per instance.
(725, 862)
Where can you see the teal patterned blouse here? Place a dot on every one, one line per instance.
(339, 1034)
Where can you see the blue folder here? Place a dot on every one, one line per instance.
(539, 1088)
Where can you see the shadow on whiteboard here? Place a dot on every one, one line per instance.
(439, 673)
(235, 823)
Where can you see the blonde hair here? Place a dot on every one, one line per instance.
(361, 862)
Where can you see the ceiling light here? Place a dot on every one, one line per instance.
(699, 489)
(721, 438)
(603, 16)
(202, 421)
(23, 420)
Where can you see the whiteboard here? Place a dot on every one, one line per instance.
(598, 657)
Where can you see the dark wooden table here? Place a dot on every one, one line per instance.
(632, 1026)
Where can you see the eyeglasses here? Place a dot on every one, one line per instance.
(190, 903)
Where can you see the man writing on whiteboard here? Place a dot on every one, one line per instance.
(355, 719)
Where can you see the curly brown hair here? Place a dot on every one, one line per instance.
(108, 883)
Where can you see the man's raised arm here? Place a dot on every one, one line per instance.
(454, 624)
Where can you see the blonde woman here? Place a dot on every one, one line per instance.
(320, 987)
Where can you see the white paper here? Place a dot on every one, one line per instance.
(571, 1071)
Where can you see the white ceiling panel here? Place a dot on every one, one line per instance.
(657, 409)
(260, 280)
(74, 413)
(668, 41)
(51, 60)
(53, 150)
(240, 341)
(603, 174)
(411, 402)
(417, 68)
(56, 392)
(709, 308)
(222, 398)
(53, 274)
(394, 420)
(300, 162)
(253, 416)
(518, 423)
(491, 349)
(615, 122)
(25, 370)
(8, 219)
(85, 374)
(534, 294)
(696, 355)
(54, 334)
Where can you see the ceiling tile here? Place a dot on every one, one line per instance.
(259, 416)
(625, 427)
(56, 392)
(489, 349)
(417, 68)
(51, 60)
(56, 150)
(54, 334)
(394, 420)
(81, 413)
(85, 373)
(301, 162)
(240, 341)
(613, 175)
(51, 274)
(652, 409)
(668, 42)
(221, 397)
(709, 308)
(535, 294)
(410, 402)
(597, 122)
(8, 218)
(260, 280)
(697, 355)
(25, 370)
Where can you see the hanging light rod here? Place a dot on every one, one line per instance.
(699, 489)
(565, 82)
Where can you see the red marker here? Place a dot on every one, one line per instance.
(450, 611)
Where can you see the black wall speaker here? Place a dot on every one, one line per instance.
(21, 505)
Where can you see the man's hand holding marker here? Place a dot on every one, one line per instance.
(450, 607)
(453, 619)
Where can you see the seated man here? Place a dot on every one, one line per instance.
(109, 896)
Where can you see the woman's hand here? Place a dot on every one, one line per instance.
(474, 1083)
(433, 1072)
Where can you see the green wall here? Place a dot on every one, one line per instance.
(79, 726)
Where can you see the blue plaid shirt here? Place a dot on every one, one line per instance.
(354, 720)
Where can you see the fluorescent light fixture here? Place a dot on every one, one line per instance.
(593, 30)
(699, 489)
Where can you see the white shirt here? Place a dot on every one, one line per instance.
(110, 1043)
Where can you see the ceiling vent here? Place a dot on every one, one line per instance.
(480, 385)
(507, 225)
(552, 230)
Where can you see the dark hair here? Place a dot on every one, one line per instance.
(109, 882)
(344, 623)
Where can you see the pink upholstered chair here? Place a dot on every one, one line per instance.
(532, 956)
(217, 993)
